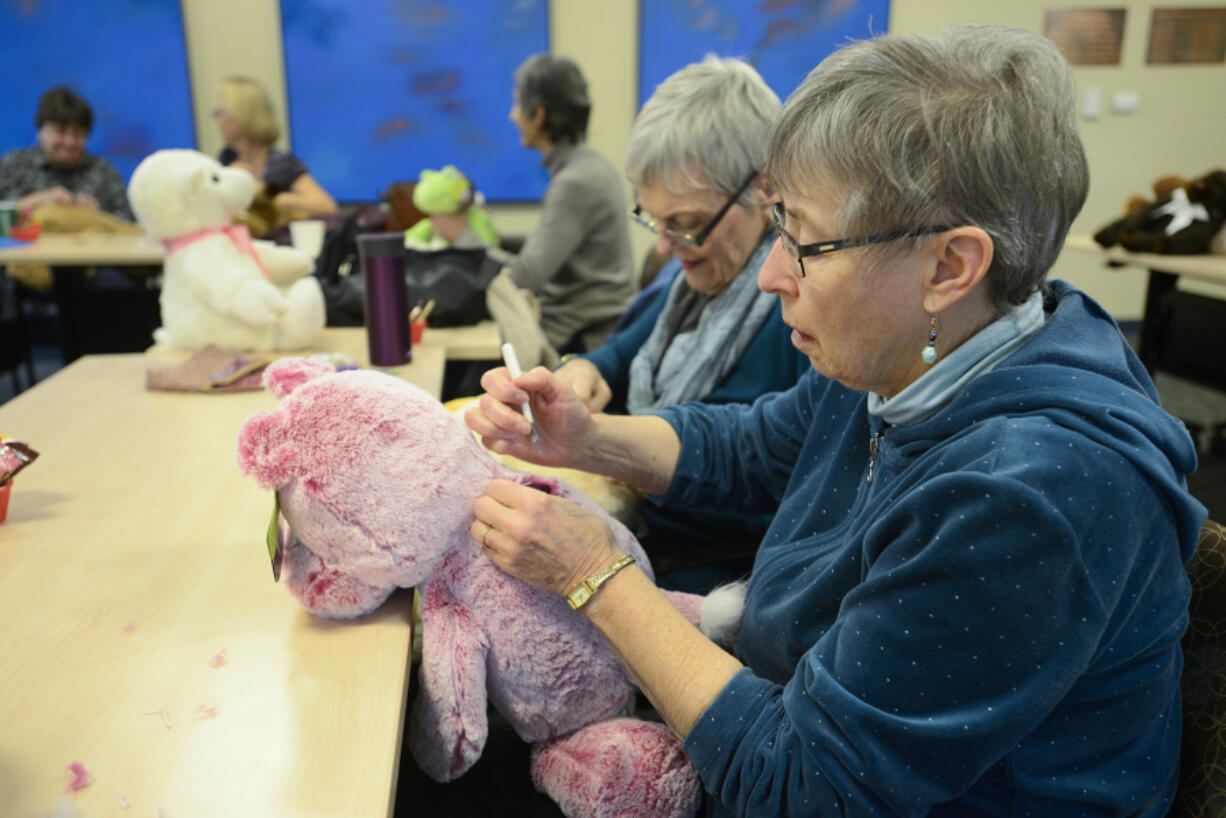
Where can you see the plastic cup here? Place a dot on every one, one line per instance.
(4, 499)
(307, 236)
(417, 329)
(8, 216)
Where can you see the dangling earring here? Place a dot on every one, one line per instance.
(929, 353)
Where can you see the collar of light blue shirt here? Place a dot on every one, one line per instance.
(924, 397)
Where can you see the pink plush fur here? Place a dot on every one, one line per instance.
(376, 482)
(651, 773)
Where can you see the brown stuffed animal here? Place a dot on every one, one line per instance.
(1185, 218)
(263, 215)
(1162, 187)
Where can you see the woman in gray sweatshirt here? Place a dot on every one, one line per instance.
(578, 259)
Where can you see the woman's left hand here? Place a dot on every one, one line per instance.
(545, 541)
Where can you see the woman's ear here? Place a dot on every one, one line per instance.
(538, 119)
(962, 257)
(766, 191)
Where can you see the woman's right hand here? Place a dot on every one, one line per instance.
(563, 430)
(589, 385)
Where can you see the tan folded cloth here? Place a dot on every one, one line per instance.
(212, 369)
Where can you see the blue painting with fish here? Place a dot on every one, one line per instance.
(379, 90)
(88, 46)
(782, 39)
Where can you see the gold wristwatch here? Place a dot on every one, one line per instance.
(582, 593)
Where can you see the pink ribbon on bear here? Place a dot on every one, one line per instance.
(239, 235)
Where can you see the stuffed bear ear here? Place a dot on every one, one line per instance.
(264, 452)
(188, 178)
(287, 374)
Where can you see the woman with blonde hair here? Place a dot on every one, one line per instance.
(245, 117)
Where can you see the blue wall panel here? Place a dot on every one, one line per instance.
(380, 89)
(126, 57)
(783, 39)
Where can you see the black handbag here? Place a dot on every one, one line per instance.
(340, 274)
(455, 278)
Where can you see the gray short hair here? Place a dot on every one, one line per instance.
(975, 125)
(708, 123)
(557, 85)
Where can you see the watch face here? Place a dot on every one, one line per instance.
(579, 596)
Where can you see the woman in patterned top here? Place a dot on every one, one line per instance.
(244, 116)
(57, 170)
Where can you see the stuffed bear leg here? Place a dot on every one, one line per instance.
(304, 315)
(620, 768)
(448, 726)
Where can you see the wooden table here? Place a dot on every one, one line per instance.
(1181, 332)
(68, 254)
(480, 342)
(85, 250)
(429, 357)
(1210, 268)
(101, 319)
(133, 557)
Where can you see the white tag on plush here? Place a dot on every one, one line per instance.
(720, 616)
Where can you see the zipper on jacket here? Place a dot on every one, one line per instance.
(874, 443)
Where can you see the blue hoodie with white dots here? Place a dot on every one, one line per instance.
(978, 614)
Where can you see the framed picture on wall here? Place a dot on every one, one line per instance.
(783, 39)
(1191, 35)
(1086, 36)
(118, 55)
(380, 90)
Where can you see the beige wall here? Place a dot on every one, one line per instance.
(232, 38)
(1177, 129)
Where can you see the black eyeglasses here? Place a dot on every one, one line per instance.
(800, 251)
(694, 240)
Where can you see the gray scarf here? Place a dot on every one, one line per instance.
(682, 360)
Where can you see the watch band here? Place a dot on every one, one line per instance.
(583, 592)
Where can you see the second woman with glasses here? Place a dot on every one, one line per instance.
(694, 158)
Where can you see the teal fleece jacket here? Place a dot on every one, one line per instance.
(976, 615)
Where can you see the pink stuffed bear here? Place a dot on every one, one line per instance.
(376, 482)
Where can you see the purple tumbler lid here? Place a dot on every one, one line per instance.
(380, 245)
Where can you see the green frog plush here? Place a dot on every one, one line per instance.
(455, 212)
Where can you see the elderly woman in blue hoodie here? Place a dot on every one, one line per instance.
(971, 597)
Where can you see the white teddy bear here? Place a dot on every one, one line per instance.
(218, 286)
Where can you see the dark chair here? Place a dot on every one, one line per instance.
(14, 335)
(402, 214)
(1202, 773)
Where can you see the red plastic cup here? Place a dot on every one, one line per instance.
(5, 490)
(417, 329)
(27, 232)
